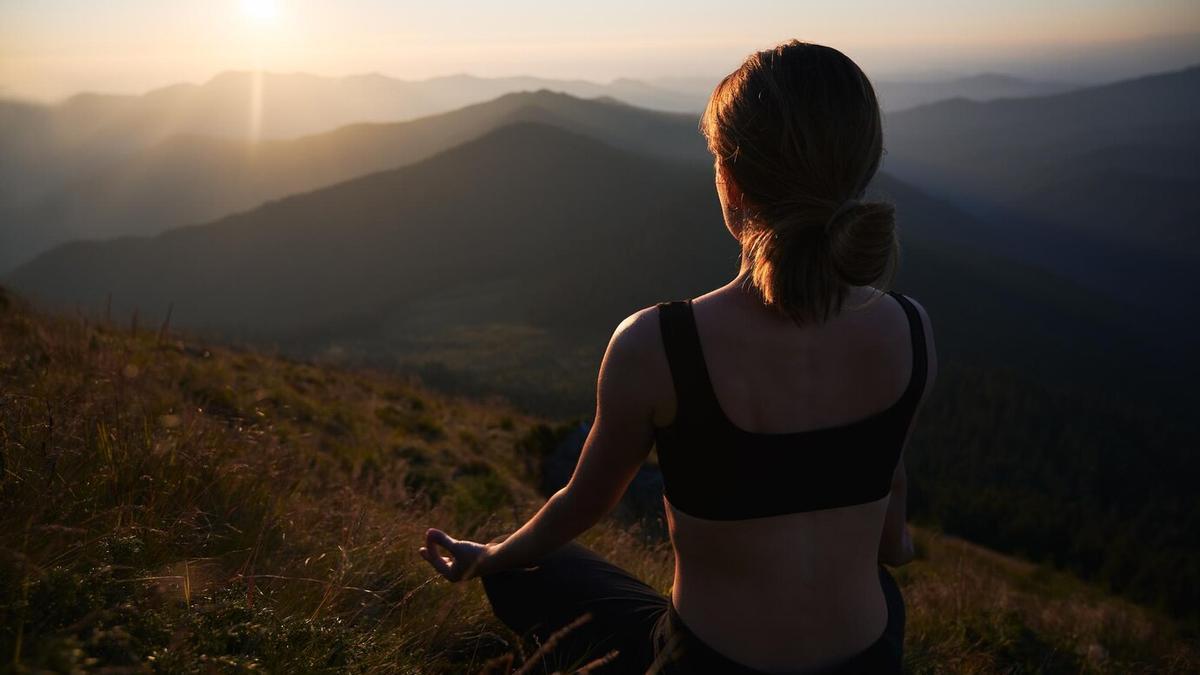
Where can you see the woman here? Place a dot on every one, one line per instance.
(779, 404)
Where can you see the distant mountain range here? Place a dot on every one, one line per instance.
(92, 150)
(900, 95)
(1095, 183)
(984, 156)
(525, 225)
(98, 166)
(189, 179)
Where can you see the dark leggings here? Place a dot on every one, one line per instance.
(637, 622)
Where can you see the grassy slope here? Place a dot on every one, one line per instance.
(174, 507)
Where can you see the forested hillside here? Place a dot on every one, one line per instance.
(1093, 183)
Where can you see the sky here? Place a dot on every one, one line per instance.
(50, 49)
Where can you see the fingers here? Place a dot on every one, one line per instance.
(435, 536)
(447, 567)
(442, 565)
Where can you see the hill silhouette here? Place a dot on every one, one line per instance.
(532, 214)
(527, 200)
(46, 146)
(92, 142)
(1093, 183)
(97, 165)
(190, 179)
(896, 95)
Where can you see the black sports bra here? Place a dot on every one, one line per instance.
(715, 470)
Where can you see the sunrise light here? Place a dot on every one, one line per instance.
(260, 11)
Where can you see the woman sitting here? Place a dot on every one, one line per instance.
(779, 404)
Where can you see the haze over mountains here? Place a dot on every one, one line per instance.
(1093, 183)
(189, 179)
(95, 164)
(1090, 162)
(193, 179)
(530, 215)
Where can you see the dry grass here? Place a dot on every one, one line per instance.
(174, 507)
(971, 610)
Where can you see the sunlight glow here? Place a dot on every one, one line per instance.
(51, 49)
(261, 11)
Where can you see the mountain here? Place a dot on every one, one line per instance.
(543, 214)
(539, 209)
(59, 160)
(1094, 183)
(1004, 150)
(520, 230)
(99, 166)
(526, 200)
(189, 179)
(895, 95)
(48, 149)
(297, 104)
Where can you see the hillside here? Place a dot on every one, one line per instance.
(102, 166)
(168, 505)
(1093, 183)
(517, 227)
(946, 139)
(187, 179)
(896, 95)
(526, 200)
(99, 165)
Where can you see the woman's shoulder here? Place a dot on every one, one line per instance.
(635, 367)
(637, 341)
(639, 327)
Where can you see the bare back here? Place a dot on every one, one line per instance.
(797, 590)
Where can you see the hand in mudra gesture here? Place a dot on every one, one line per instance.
(463, 560)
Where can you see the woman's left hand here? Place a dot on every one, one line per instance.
(466, 559)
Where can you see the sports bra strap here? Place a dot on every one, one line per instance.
(920, 367)
(689, 372)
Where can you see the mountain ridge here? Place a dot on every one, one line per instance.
(193, 179)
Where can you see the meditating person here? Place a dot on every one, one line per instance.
(779, 404)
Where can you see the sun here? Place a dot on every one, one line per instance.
(261, 11)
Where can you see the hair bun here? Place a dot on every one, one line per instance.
(848, 205)
(862, 241)
(795, 156)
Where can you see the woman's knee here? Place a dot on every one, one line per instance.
(525, 597)
(513, 596)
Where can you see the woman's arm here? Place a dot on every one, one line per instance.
(895, 544)
(620, 439)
